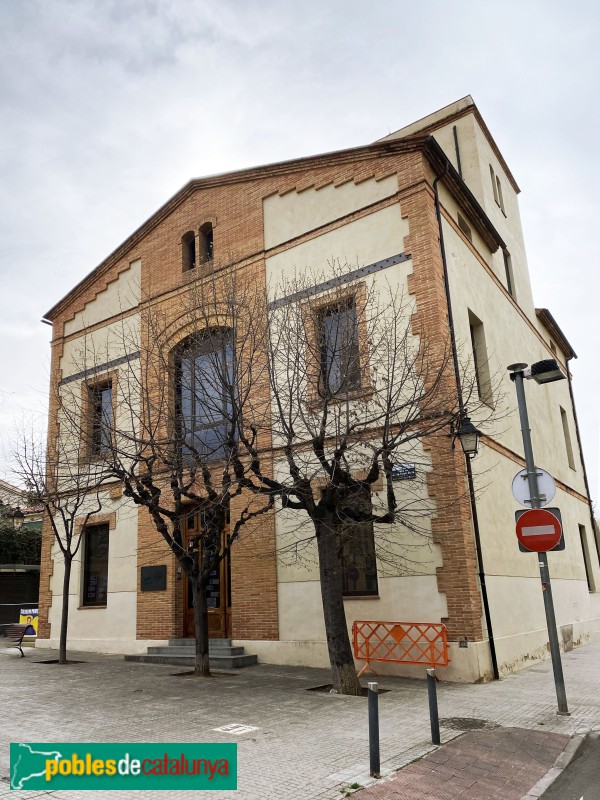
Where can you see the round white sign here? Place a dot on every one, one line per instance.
(546, 487)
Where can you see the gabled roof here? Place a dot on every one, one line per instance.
(424, 143)
(440, 118)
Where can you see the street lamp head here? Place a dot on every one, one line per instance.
(545, 371)
(469, 437)
(18, 518)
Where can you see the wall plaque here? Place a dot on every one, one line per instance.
(153, 579)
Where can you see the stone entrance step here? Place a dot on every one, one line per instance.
(180, 652)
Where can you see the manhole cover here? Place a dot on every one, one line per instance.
(466, 723)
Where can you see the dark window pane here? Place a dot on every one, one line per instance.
(208, 239)
(102, 418)
(204, 383)
(95, 568)
(356, 547)
(340, 363)
(206, 242)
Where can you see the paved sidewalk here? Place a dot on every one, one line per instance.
(305, 745)
(504, 763)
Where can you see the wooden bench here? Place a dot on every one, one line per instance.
(16, 633)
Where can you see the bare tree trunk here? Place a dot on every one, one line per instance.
(343, 672)
(202, 666)
(64, 617)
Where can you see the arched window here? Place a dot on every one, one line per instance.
(188, 251)
(206, 242)
(203, 393)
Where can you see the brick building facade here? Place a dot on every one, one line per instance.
(368, 206)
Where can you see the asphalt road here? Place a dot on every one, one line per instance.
(581, 779)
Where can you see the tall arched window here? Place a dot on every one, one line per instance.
(203, 393)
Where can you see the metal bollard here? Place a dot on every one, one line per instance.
(433, 706)
(374, 759)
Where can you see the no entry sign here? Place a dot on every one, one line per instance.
(538, 530)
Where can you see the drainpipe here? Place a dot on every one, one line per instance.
(476, 532)
(585, 479)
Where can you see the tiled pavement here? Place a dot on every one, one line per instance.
(503, 763)
(307, 744)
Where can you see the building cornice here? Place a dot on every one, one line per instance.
(551, 325)
(413, 144)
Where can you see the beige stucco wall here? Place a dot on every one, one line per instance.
(408, 561)
(476, 156)
(512, 580)
(110, 629)
(294, 213)
(95, 348)
(121, 295)
(359, 243)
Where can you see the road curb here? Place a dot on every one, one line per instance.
(561, 763)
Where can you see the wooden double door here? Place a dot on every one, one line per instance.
(218, 590)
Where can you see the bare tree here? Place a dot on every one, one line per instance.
(356, 394)
(62, 480)
(314, 399)
(175, 439)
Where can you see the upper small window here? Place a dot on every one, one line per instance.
(188, 251)
(497, 189)
(494, 185)
(101, 418)
(567, 435)
(206, 242)
(465, 227)
(480, 360)
(339, 349)
(500, 200)
(510, 280)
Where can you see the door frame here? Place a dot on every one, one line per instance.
(219, 618)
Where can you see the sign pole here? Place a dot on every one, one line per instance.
(559, 680)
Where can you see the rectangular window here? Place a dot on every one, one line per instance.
(500, 199)
(101, 399)
(339, 349)
(567, 435)
(356, 548)
(95, 566)
(465, 227)
(510, 280)
(481, 365)
(495, 190)
(586, 558)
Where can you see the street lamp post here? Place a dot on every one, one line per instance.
(549, 372)
(18, 518)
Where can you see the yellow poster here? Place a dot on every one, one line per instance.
(29, 616)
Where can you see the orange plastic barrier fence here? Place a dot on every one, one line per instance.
(400, 643)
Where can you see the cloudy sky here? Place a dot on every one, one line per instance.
(109, 107)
